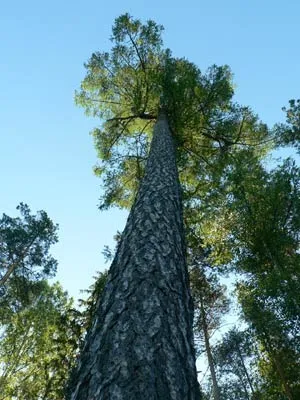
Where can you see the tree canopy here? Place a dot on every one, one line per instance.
(126, 88)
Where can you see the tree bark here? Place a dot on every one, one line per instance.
(141, 342)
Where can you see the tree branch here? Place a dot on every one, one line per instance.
(137, 51)
(141, 116)
(14, 265)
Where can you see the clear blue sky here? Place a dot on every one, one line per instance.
(46, 152)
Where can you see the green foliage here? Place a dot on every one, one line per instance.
(234, 357)
(89, 304)
(127, 87)
(124, 81)
(38, 347)
(25, 243)
(86, 317)
(121, 87)
(288, 134)
(250, 222)
(210, 301)
(279, 364)
(265, 244)
(245, 218)
(267, 238)
(41, 331)
(24, 258)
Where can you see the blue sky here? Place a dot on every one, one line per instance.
(46, 153)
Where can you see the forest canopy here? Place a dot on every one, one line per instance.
(241, 221)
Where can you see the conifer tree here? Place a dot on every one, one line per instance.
(161, 115)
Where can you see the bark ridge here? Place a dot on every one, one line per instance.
(141, 343)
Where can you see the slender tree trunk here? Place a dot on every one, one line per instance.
(245, 369)
(216, 391)
(240, 376)
(141, 342)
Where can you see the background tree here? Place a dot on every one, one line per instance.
(210, 305)
(38, 346)
(288, 134)
(280, 353)
(235, 358)
(89, 304)
(259, 215)
(40, 329)
(25, 244)
(24, 258)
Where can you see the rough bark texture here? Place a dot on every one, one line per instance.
(141, 343)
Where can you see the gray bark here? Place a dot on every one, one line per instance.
(141, 342)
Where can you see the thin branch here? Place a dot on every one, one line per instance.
(119, 134)
(130, 117)
(123, 92)
(127, 62)
(240, 130)
(197, 155)
(137, 52)
(105, 101)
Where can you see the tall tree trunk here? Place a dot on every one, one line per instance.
(216, 390)
(239, 374)
(245, 369)
(141, 342)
